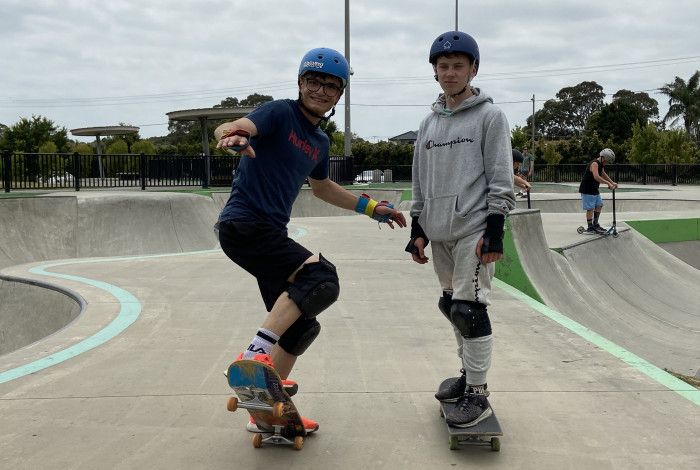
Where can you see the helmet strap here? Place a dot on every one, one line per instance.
(321, 116)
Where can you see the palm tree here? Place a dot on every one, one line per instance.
(684, 102)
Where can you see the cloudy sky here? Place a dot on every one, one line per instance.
(90, 63)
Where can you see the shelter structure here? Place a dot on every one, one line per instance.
(202, 115)
(98, 132)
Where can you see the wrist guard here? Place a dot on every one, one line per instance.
(240, 132)
(366, 205)
(493, 237)
(416, 232)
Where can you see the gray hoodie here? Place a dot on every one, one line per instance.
(462, 168)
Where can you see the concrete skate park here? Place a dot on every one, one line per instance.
(119, 313)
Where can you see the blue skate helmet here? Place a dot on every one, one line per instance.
(325, 60)
(454, 41)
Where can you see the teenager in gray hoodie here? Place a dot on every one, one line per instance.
(462, 191)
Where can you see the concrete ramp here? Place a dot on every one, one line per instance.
(627, 289)
(104, 224)
(30, 311)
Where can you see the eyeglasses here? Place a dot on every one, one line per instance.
(329, 89)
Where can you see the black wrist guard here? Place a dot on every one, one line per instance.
(417, 231)
(493, 237)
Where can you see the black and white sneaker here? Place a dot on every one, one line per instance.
(452, 389)
(472, 408)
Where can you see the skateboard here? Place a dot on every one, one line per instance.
(613, 228)
(486, 432)
(259, 390)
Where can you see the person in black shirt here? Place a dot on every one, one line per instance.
(591, 201)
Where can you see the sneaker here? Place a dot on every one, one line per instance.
(290, 386)
(591, 231)
(472, 408)
(600, 230)
(309, 424)
(452, 389)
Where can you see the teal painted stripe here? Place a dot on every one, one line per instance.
(129, 311)
(658, 375)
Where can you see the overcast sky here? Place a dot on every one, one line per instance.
(88, 63)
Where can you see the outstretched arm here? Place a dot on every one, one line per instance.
(332, 193)
(236, 134)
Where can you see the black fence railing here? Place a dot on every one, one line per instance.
(74, 171)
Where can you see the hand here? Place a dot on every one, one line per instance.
(486, 258)
(612, 186)
(420, 257)
(230, 143)
(394, 215)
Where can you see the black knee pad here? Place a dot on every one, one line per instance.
(299, 336)
(445, 304)
(470, 318)
(315, 287)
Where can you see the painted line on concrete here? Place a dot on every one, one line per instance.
(655, 373)
(129, 308)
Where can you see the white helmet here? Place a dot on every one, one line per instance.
(608, 155)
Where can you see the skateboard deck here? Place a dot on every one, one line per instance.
(486, 432)
(259, 389)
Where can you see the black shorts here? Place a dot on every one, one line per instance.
(265, 252)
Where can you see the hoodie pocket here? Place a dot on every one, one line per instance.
(440, 220)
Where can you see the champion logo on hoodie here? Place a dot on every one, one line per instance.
(459, 140)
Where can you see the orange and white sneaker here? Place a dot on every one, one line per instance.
(309, 424)
(290, 386)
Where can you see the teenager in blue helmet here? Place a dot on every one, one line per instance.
(281, 146)
(462, 192)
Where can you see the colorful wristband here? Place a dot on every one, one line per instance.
(361, 204)
(369, 210)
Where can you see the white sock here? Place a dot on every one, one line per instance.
(262, 343)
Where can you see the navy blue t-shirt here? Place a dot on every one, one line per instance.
(288, 149)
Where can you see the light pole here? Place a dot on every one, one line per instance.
(456, 15)
(348, 132)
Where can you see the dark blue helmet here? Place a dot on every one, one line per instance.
(454, 41)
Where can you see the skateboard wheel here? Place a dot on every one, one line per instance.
(298, 442)
(580, 230)
(495, 444)
(257, 440)
(278, 409)
(232, 404)
(454, 443)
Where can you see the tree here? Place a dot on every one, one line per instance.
(519, 137)
(117, 147)
(28, 135)
(143, 146)
(615, 120)
(255, 100)
(650, 145)
(550, 155)
(648, 105)
(684, 102)
(642, 144)
(567, 115)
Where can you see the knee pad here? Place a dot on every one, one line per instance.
(299, 336)
(315, 287)
(445, 304)
(470, 318)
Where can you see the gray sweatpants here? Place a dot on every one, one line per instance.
(459, 271)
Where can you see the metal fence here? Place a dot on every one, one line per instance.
(73, 171)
